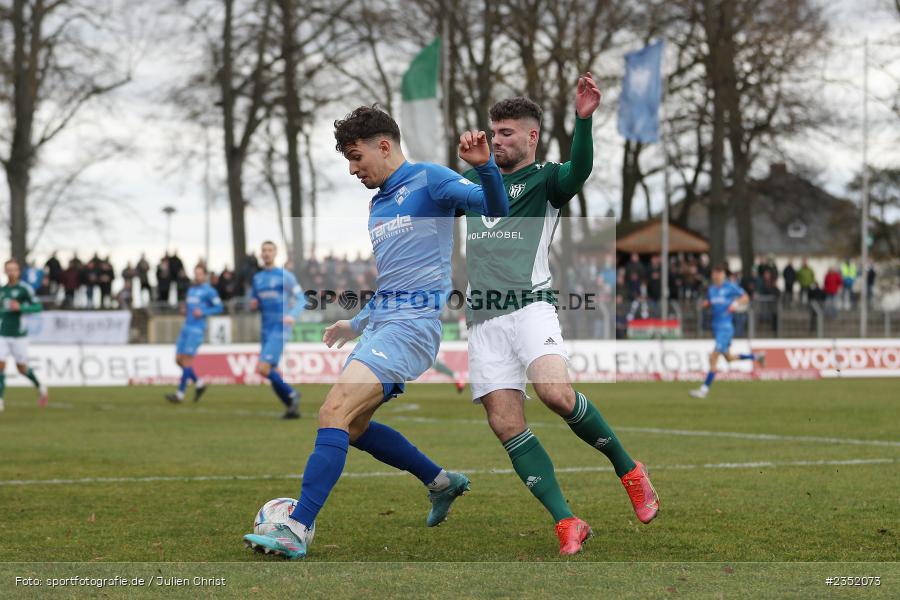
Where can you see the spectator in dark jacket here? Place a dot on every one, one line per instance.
(105, 277)
(70, 281)
(790, 277)
(143, 273)
(163, 279)
(54, 271)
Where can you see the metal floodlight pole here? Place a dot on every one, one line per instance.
(168, 211)
(864, 237)
(207, 192)
(664, 279)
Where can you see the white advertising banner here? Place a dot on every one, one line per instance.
(79, 327)
(134, 364)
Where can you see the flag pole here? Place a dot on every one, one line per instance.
(864, 250)
(445, 79)
(664, 282)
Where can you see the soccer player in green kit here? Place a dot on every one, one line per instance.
(509, 344)
(16, 299)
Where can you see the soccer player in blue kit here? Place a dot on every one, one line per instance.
(279, 299)
(202, 301)
(724, 298)
(411, 230)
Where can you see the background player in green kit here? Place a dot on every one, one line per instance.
(509, 342)
(16, 299)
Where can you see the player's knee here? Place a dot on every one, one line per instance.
(505, 426)
(264, 369)
(23, 369)
(559, 399)
(335, 412)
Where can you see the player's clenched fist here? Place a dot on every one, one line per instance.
(474, 148)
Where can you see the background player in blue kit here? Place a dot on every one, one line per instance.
(411, 228)
(279, 299)
(202, 301)
(724, 298)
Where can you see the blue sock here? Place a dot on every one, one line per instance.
(323, 469)
(184, 379)
(709, 378)
(390, 447)
(192, 375)
(282, 390)
(748, 356)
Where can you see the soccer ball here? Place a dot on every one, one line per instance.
(275, 512)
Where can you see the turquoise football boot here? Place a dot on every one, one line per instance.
(442, 500)
(280, 542)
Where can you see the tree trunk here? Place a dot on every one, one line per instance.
(234, 160)
(718, 209)
(292, 128)
(739, 197)
(27, 42)
(234, 164)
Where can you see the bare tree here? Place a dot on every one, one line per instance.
(56, 66)
(303, 58)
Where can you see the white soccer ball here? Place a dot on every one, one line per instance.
(275, 512)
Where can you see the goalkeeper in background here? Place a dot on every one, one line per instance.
(16, 299)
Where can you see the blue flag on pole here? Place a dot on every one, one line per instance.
(641, 94)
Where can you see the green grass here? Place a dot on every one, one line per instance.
(718, 511)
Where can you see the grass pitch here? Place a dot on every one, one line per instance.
(803, 473)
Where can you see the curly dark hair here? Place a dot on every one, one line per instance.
(364, 123)
(519, 107)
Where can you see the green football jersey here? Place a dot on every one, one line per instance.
(11, 324)
(508, 258)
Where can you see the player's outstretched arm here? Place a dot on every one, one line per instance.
(572, 174)
(456, 192)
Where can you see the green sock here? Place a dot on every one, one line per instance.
(535, 469)
(2, 383)
(30, 375)
(442, 368)
(588, 424)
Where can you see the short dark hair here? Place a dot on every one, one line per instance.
(201, 265)
(270, 242)
(519, 107)
(14, 261)
(364, 123)
(721, 266)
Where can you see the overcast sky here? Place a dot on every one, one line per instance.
(151, 176)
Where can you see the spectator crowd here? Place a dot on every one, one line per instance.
(95, 284)
(636, 282)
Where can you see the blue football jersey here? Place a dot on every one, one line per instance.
(279, 295)
(206, 298)
(720, 298)
(411, 229)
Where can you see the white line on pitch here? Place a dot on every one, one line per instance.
(769, 437)
(765, 437)
(372, 474)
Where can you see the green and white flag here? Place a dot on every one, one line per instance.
(421, 110)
